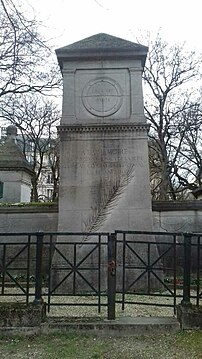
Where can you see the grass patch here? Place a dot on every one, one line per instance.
(78, 346)
(190, 340)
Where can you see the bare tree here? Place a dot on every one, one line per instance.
(54, 161)
(36, 118)
(170, 79)
(23, 54)
(27, 73)
(189, 172)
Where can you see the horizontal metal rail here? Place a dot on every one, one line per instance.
(22, 273)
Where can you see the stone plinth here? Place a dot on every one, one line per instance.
(189, 317)
(13, 315)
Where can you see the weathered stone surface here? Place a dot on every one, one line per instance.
(104, 170)
(16, 185)
(189, 317)
(104, 181)
(172, 216)
(15, 171)
(26, 220)
(21, 315)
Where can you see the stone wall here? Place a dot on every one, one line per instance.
(167, 217)
(28, 219)
(184, 216)
(177, 217)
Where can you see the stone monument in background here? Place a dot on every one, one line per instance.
(104, 167)
(15, 171)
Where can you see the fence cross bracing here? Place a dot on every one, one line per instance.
(113, 269)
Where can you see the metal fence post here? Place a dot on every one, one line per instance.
(187, 270)
(38, 273)
(111, 292)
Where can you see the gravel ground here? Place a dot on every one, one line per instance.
(182, 345)
(88, 311)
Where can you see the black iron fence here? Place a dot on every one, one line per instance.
(123, 268)
(76, 268)
(170, 264)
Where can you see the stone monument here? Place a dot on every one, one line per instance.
(104, 168)
(15, 171)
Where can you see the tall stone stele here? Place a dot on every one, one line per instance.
(104, 169)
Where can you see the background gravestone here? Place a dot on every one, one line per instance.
(104, 169)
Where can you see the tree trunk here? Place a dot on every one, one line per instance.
(34, 191)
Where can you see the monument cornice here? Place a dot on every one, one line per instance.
(103, 128)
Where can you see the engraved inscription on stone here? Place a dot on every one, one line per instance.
(102, 97)
(105, 158)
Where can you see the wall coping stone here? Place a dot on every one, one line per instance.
(27, 209)
(163, 206)
(157, 206)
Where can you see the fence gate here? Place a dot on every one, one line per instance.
(154, 269)
(119, 269)
(77, 270)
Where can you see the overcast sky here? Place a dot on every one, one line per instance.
(68, 21)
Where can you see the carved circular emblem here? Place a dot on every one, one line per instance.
(102, 97)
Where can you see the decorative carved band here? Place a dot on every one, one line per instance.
(103, 128)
